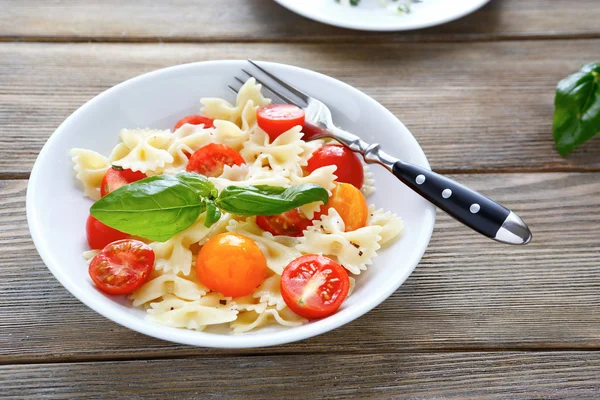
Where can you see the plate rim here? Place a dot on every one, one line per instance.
(290, 5)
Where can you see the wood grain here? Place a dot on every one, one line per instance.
(544, 375)
(254, 20)
(467, 293)
(484, 107)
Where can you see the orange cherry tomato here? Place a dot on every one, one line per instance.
(314, 286)
(350, 203)
(116, 177)
(210, 160)
(195, 119)
(231, 264)
(276, 119)
(122, 266)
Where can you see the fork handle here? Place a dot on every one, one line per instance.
(465, 205)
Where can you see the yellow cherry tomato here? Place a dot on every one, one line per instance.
(350, 203)
(231, 264)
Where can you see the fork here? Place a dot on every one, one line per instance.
(474, 210)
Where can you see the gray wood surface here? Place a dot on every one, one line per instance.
(540, 375)
(260, 20)
(476, 320)
(472, 106)
(467, 293)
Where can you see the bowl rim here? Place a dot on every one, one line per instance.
(205, 339)
(374, 27)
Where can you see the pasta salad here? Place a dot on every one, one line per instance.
(231, 219)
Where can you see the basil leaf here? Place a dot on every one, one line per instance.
(200, 183)
(268, 200)
(213, 214)
(154, 208)
(577, 108)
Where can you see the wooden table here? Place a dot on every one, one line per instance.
(475, 320)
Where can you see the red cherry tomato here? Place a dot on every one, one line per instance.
(209, 160)
(100, 235)
(276, 119)
(349, 168)
(122, 266)
(195, 119)
(290, 223)
(115, 178)
(314, 286)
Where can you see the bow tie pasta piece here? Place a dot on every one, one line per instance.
(165, 285)
(269, 293)
(89, 168)
(89, 254)
(279, 251)
(148, 150)
(308, 148)
(198, 314)
(249, 320)
(368, 187)
(392, 226)
(325, 177)
(354, 250)
(283, 155)
(175, 256)
(243, 114)
(249, 303)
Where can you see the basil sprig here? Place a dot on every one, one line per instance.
(159, 207)
(268, 200)
(577, 108)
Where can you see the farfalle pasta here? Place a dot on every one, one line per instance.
(173, 291)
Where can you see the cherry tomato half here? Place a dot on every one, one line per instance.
(349, 167)
(117, 177)
(314, 286)
(100, 235)
(290, 223)
(122, 266)
(209, 160)
(276, 119)
(231, 264)
(350, 203)
(195, 119)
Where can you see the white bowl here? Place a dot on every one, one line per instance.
(57, 210)
(370, 16)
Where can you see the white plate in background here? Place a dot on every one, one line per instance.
(370, 16)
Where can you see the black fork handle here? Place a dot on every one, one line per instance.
(473, 209)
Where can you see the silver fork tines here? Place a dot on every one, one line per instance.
(294, 90)
(285, 99)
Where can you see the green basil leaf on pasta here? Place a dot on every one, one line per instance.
(268, 200)
(213, 214)
(154, 208)
(200, 183)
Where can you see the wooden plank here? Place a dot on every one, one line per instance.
(208, 20)
(547, 375)
(468, 293)
(472, 106)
